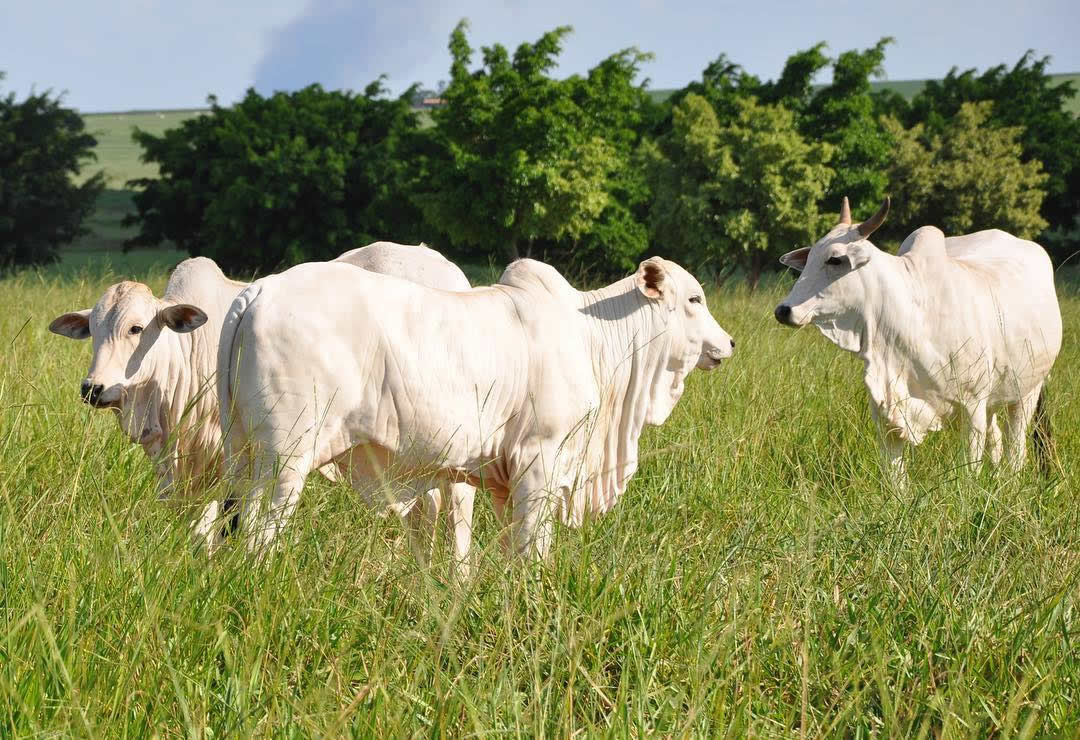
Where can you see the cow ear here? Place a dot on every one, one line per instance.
(858, 254)
(796, 259)
(75, 324)
(651, 278)
(182, 318)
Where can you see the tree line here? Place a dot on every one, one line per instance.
(592, 172)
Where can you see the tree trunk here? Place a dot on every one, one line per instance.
(753, 274)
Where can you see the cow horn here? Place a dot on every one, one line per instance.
(869, 226)
(845, 212)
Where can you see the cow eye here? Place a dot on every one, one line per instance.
(135, 329)
(695, 299)
(834, 261)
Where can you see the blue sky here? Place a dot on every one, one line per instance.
(120, 54)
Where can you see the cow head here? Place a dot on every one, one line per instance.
(695, 339)
(126, 326)
(836, 273)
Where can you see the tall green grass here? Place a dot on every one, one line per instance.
(757, 577)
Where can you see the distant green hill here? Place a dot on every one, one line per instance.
(117, 154)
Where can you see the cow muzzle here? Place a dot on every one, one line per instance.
(712, 355)
(783, 314)
(92, 394)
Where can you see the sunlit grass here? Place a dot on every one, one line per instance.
(756, 578)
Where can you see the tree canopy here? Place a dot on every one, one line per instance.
(532, 163)
(966, 177)
(277, 180)
(589, 172)
(43, 147)
(736, 194)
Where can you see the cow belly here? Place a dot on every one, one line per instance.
(391, 482)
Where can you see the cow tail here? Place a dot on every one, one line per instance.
(1042, 435)
(226, 359)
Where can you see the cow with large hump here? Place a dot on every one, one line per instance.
(530, 387)
(966, 325)
(154, 359)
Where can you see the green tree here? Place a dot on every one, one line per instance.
(722, 84)
(283, 179)
(795, 87)
(844, 114)
(1026, 96)
(967, 177)
(173, 205)
(739, 194)
(621, 111)
(43, 146)
(531, 162)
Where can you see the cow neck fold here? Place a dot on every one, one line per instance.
(629, 342)
(187, 390)
(894, 326)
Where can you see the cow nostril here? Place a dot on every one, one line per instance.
(90, 393)
(782, 313)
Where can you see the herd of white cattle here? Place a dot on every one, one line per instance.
(386, 369)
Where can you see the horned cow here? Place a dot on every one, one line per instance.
(966, 325)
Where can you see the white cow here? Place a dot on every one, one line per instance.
(967, 324)
(529, 386)
(155, 371)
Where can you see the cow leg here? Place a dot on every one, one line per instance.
(499, 501)
(461, 497)
(892, 447)
(207, 528)
(264, 516)
(533, 502)
(993, 440)
(976, 417)
(892, 453)
(1017, 421)
(421, 522)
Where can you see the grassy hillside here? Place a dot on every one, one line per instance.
(118, 157)
(757, 579)
(117, 154)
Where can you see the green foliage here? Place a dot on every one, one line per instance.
(531, 162)
(844, 114)
(1023, 96)
(722, 83)
(967, 177)
(274, 181)
(795, 87)
(1063, 242)
(736, 194)
(43, 146)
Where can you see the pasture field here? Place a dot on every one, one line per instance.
(117, 154)
(757, 577)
